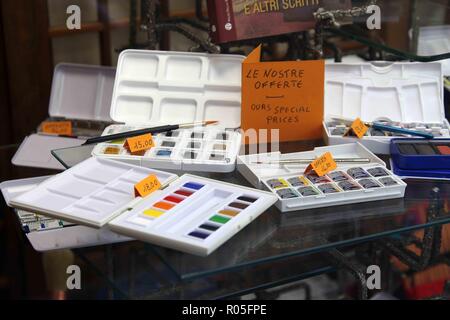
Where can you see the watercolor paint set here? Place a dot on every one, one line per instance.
(349, 183)
(155, 88)
(202, 149)
(191, 214)
(194, 214)
(402, 94)
(421, 158)
(79, 93)
(46, 233)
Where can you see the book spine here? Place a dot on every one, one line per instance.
(221, 17)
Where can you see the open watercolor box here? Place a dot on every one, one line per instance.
(191, 214)
(45, 233)
(155, 88)
(403, 94)
(79, 93)
(349, 183)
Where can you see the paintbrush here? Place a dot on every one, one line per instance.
(388, 128)
(308, 161)
(69, 157)
(154, 130)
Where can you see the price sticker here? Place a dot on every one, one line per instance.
(57, 127)
(146, 186)
(359, 128)
(139, 143)
(322, 165)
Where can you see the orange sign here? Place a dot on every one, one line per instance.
(288, 96)
(322, 165)
(146, 186)
(57, 127)
(139, 143)
(359, 128)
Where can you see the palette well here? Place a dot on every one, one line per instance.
(349, 183)
(154, 88)
(190, 213)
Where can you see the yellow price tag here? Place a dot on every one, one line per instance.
(146, 186)
(139, 143)
(359, 128)
(322, 165)
(57, 127)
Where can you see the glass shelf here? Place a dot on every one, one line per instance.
(134, 272)
(295, 242)
(275, 236)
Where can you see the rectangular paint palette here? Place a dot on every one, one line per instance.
(90, 193)
(46, 233)
(421, 158)
(191, 214)
(349, 183)
(403, 94)
(88, 112)
(154, 88)
(203, 149)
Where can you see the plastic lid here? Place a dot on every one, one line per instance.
(158, 87)
(401, 92)
(82, 92)
(435, 40)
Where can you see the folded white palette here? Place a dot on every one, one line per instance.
(35, 151)
(349, 183)
(45, 233)
(407, 95)
(155, 88)
(80, 93)
(192, 214)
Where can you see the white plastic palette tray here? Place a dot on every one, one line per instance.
(157, 88)
(407, 95)
(192, 214)
(45, 233)
(349, 183)
(35, 151)
(209, 149)
(91, 193)
(81, 94)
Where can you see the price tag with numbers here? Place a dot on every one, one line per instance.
(359, 128)
(146, 186)
(139, 143)
(57, 127)
(322, 165)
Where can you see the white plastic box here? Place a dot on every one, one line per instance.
(291, 178)
(155, 88)
(46, 233)
(191, 214)
(435, 40)
(408, 95)
(80, 93)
